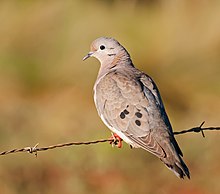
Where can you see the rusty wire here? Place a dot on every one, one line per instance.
(35, 149)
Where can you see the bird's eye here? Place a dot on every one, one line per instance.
(102, 47)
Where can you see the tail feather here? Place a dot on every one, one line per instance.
(179, 168)
(173, 159)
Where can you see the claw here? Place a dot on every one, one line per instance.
(116, 140)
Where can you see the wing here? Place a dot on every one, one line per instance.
(127, 105)
(150, 85)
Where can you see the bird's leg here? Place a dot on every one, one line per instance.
(116, 140)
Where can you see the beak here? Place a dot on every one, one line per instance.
(87, 56)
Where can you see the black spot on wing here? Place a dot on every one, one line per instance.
(126, 112)
(122, 115)
(138, 122)
(138, 114)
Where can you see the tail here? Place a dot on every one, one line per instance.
(179, 168)
(174, 161)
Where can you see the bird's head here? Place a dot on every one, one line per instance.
(106, 50)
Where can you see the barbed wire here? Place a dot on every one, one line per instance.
(35, 149)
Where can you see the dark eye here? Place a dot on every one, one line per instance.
(102, 47)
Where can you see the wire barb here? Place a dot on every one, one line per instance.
(35, 149)
(32, 150)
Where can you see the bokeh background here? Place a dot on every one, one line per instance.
(46, 93)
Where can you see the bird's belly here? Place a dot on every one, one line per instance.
(119, 133)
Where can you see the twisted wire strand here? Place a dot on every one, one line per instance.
(35, 149)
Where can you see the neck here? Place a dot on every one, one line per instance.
(120, 59)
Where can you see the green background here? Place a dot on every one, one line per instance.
(46, 93)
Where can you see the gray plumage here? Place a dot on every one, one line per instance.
(129, 103)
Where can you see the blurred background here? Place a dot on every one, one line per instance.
(46, 93)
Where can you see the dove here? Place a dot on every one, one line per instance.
(129, 103)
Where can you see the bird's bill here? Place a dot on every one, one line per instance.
(87, 56)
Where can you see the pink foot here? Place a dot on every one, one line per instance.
(116, 140)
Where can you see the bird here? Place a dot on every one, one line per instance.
(130, 105)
